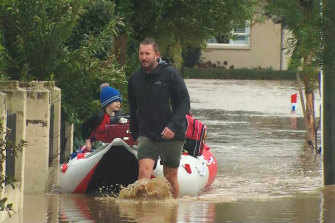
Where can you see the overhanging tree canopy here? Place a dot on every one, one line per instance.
(177, 24)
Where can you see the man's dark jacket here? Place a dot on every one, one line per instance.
(158, 99)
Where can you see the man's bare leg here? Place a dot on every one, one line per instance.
(145, 168)
(171, 175)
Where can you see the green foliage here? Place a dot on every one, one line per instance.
(92, 22)
(244, 74)
(85, 68)
(178, 24)
(191, 56)
(66, 41)
(303, 19)
(2, 55)
(34, 32)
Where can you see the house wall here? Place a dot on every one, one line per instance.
(264, 50)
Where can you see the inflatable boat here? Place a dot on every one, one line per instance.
(115, 164)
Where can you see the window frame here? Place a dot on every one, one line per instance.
(232, 43)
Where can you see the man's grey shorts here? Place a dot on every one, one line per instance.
(168, 151)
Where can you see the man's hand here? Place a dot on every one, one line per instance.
(167, 133)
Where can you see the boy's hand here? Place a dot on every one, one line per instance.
(88, 145)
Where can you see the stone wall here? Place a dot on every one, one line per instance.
(32, 110)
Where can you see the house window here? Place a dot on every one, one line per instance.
(239, 37)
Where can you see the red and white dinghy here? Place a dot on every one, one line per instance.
(115, 164)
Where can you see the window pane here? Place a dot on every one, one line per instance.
(243, 40)
(240, 30)
(212, 40)
(222, 39)
(241, 36)
(219, 39)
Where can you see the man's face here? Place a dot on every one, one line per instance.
(148, 57)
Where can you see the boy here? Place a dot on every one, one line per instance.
(93, 129)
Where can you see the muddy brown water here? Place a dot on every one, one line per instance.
(265, 171)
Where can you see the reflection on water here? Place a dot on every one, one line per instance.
(318, 206)
(265, 171)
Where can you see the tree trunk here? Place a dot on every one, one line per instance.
(310, 117)
(309, 80)
(176, 51)
(120, 49)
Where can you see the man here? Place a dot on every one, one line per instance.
(158, 101)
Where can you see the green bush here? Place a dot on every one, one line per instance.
(66, 41)
(253, 74)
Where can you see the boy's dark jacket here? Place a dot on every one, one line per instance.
(157, 100)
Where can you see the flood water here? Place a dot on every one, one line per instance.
(266, 173)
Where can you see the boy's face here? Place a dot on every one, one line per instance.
(115, 106)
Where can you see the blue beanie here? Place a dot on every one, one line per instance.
(109, 95)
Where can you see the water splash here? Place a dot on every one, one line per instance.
(156, 188)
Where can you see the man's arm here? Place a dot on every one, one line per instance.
(182, 102)
(132, 107)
